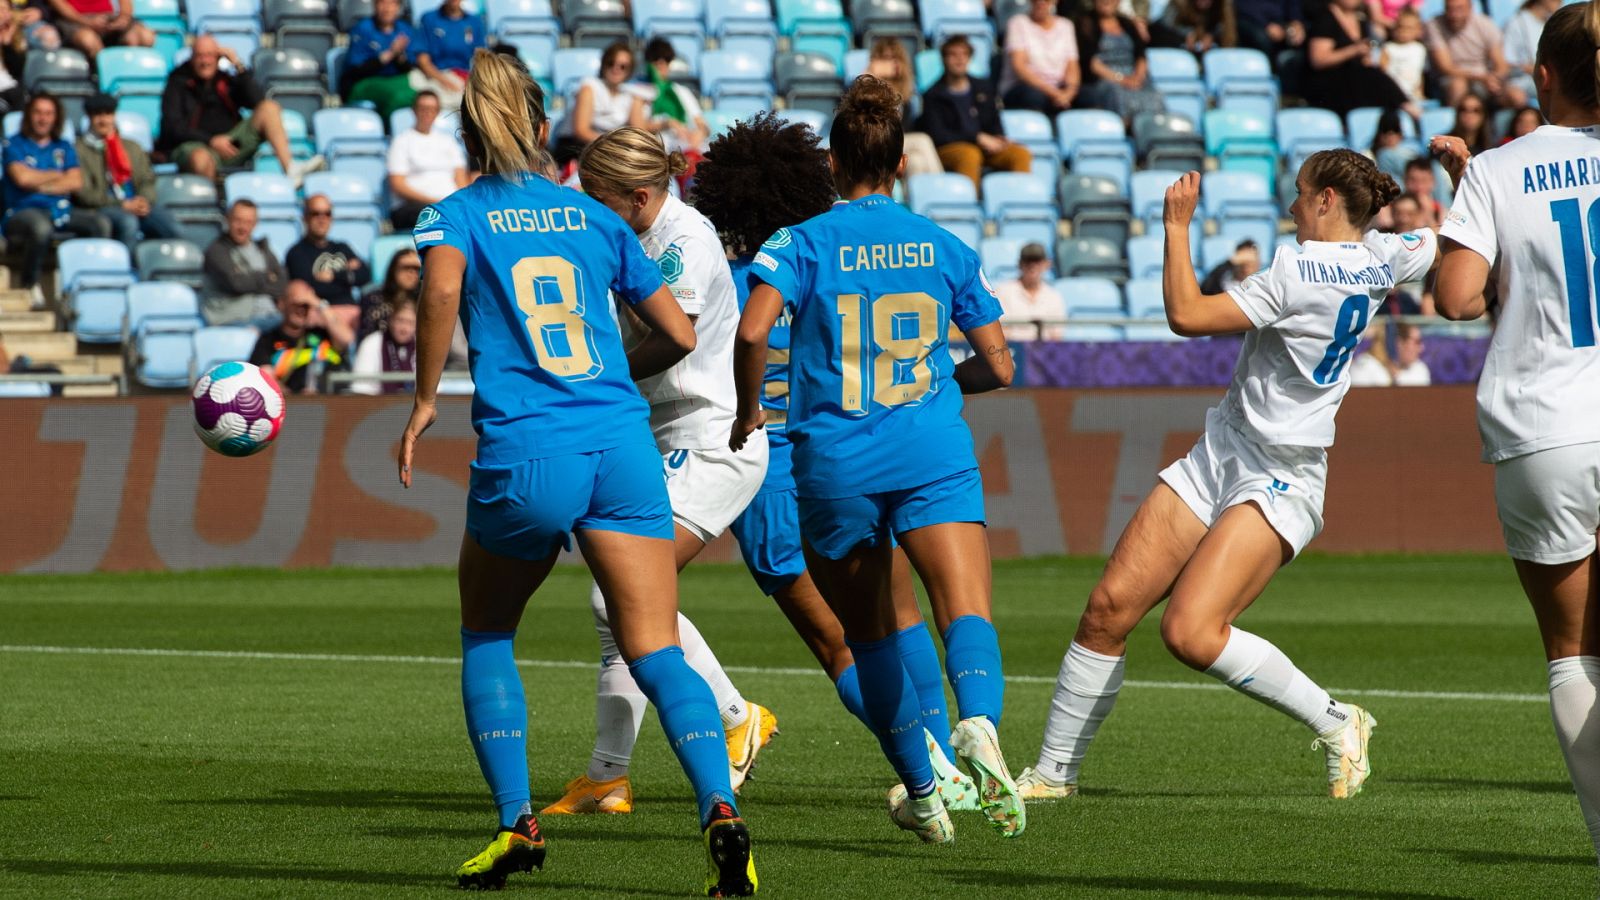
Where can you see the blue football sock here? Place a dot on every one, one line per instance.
(891, 704)
(690, 719)
(921, 660)
(497, 718)
(849, 688)
(972, 660)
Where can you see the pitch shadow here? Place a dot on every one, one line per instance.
(1193, 887)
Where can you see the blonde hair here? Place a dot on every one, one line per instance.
(888, 48)
(502, 116)
(626, 159)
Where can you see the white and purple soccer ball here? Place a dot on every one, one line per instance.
(238, 408)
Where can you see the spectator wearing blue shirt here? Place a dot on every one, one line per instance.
(41, 174)
(383, 50)
(450, 34)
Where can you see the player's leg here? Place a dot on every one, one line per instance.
(1148, 556)
(626, 537)
(940, 527)
(1549, 505)
(1229, 570)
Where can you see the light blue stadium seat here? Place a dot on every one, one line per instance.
(273, 195)
(791, 14)
(1501, 11)
(1145, 255)
(1092, 132)
(1437, 120)
(1242, 141)
(1238, 71)
(727, 73)
(1149, 191)
(350, 195)
(746, 25)
(571, 65)
(359, 233)
(669, 17)
(1142, 297)
(1095, 206)
(349, 131)
(1090, 296)
(280, 234)
(999, 257)
(24, 390)
(1090, 257)
(1234, 195)
(1014, 196)
(942, 18)
(216, 344)
(1304, 131)
(162, 317)
(1262, 231)
(1362, 125)
(224, 16)
(131, 126)
(949, 200)
(929, 66)
(1032, 130)
(1214, 251)
(384, 249)
(372, 168)
(169, 259)
(83, 263)
(165, 18)
(133, 69)
(1176, 74)
(97, 314)
(855, 64)
(816, 121)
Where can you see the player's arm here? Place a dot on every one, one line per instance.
(990, 367)
(671, 335)
(1463, 274)
(436, 324)
(761, 312)
(1191, 313)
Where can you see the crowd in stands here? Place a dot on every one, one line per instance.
(81, 163)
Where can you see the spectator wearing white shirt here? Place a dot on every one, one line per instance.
(426, 165)
(1029, 300)
(1406, 369)
(1041, 67)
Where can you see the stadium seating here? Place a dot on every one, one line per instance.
(1145, 254)
(274, 195)
(1087, 256)
(1304, 131)
(999, 257)
(94, 274)
(383, 250)
(1241, 141)
(1020, 205)
(669, 17)
(64, 73)
(885, 18)
(124, 68)
(951, 201)
(1362, 126)
(1090, 296)
(1149, 192)
(808, 81)
(730, 73)
(215, 344)
(1094, 142)
(305, 25)
(170, 259)
(349, 12)
(348, 132)
(1032, 130)
(942, 18)
(1168, 141)
(165, 18)
(192, 200)
(157, 333)
(743, 24)
(291, 76)
(1437, 120)
(1094, 206)
(1241, 78)
(1176, 75)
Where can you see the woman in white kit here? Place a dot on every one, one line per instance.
(1532, 207)
(1248, 497)
(691, 413)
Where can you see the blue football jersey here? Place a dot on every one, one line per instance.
(774, 388)
(872, 289)
(544, 349)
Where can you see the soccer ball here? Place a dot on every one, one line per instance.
(238, 408)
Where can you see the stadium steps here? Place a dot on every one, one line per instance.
(13, 301)
(20, 322)
(44, 346)
(89, 390)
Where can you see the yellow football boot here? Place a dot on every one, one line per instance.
(584, 797)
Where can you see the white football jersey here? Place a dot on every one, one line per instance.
(1532, 208)
(1309, 310)
(691, 404)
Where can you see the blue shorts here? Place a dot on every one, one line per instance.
(835, 527)
(528, 510)
(768, 532)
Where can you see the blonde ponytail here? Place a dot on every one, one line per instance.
(626, 159)
(503, 117)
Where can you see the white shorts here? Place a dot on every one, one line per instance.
(710, 488)
(1549, 503)
(1225, 469)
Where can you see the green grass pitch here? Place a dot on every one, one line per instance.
(264, 770)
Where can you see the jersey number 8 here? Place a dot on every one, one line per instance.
(1352, 320)
(550, 294)
(903, 328)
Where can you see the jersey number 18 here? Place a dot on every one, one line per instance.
(903, 329)
(1580, 299)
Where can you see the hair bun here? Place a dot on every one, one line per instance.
(677, 163)
(870, 96)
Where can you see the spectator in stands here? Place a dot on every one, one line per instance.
(962, 116)
(1116, 75)
(333, 268)
(888, 61)
(242, 279)
(1041, 68)
(1468, 55)
(91, 25)
(1271, 26)
(383, 49)
(426, 165)
(1420, 180)
(1389, 147)
(673, 111)
(1375, 368)
(602, 104)
(32, 17)
(13, 57)
(1245, 261)
(1196, 26)
(305, 344)
(450, 35)
(1405, 56)
(1524, 121)
(203, 124)
(118, 182)
(1472, 124)
(1029, 301)
(1342, 68)
(41, 174)
(401, 283)
(1522, 41)
(390, 349)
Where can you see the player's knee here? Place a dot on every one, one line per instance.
(1193, 642)
(1108, 617)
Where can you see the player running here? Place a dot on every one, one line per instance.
(733, 188)
(563, 447)
(691, 409)
(1531, 208)
(1248, 497)
(880, 451)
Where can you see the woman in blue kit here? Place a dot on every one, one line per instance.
(880, 451)
(564, 448)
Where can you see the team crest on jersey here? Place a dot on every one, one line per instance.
(1412, 242)
(426, 219)
(779, 240)
(671, 263)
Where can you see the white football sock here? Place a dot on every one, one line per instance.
(618, 711)
(697, 653)
(1252, 666)
(1086, 689)
(1574, 685)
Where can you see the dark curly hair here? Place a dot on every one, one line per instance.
(764, 174)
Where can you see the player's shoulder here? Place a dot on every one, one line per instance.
(1392, 247)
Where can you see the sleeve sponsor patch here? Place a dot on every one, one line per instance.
(427, 236)
(766, 262)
